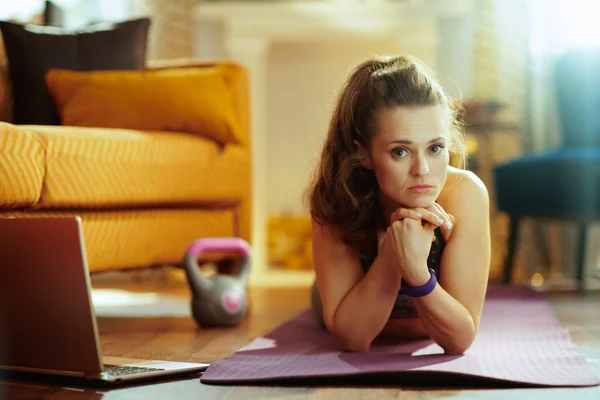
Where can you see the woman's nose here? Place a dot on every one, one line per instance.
(420, 166)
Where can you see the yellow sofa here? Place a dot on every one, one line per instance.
(143, 196)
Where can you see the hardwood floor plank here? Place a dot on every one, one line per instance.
(181, 339)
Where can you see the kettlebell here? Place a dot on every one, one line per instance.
(220, 300)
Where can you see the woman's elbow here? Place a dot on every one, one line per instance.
(461, 344)
(350, 341)
(354, 346)
(456, 349)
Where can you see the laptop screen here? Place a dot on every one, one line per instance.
(47, 319)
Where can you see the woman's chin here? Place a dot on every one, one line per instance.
(418, 201)
(422, 204)
(410, 200)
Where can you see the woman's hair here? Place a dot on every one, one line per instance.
(344, 194)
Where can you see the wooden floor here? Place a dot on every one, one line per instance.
(178, 338)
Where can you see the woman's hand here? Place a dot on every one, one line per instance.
(434, 214)
(407, 243)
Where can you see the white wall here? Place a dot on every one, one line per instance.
(21, 10)
(210, 39)
(455, 55)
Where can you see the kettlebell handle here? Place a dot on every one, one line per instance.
(200, 284)
(200, 246)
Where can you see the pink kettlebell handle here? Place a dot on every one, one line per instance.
(201, 246)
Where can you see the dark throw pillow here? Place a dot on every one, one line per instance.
(33, 50)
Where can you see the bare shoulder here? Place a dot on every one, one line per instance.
(463, 192)
(460, 179)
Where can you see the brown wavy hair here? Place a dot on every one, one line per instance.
(344, 194)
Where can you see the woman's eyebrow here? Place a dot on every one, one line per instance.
(404, 141)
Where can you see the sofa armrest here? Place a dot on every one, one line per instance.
(237, 77)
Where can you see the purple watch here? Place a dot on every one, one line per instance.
(420, 291)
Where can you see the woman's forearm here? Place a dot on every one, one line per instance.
(365, 310)
(446, 320)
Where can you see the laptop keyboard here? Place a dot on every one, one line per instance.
(118, 370)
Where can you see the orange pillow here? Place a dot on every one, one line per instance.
(195, 100)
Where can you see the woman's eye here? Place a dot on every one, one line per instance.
(436, 148)
(398, 152)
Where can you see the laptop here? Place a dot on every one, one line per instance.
(47, 318)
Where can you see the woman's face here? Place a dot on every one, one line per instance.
(409, 154)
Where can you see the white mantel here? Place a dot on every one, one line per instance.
(249, 30)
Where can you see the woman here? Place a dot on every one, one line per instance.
(401, 238)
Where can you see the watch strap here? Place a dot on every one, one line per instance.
(419, 291)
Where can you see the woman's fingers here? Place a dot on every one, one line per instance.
(446, 228)
(429, 216)
(433, 214)
(441, 213)
(446, 232)
(400, 213)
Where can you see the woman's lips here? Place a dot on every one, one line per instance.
(420, 188)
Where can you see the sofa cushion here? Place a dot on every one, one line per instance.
(116, 168)
(32, 50)
(195, 100)
(21, 167)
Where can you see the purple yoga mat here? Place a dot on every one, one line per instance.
(519, 342)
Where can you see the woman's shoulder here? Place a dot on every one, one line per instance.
(462, 189)
(463, 179)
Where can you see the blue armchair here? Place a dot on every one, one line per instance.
(563, 183)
